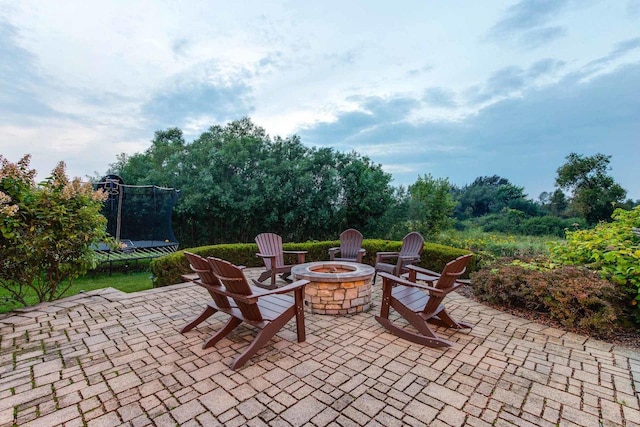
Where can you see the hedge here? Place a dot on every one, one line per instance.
(167, 270)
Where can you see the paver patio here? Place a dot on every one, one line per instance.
(106, 358)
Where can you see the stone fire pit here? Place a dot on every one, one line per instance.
(335, 287)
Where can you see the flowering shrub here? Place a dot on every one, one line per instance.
(574, 296)
(47, 230)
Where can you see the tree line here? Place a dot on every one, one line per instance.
(236, 182)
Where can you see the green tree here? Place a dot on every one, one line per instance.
(48, 230)
(594, 193)
(431, 205)
(489, 194)
(555, 203)
(365, 193)
(236, 181)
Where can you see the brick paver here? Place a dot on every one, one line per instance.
(106, 358)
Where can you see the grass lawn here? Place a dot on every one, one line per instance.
(126, 282)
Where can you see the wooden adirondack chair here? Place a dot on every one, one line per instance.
(271, 252)
(412, 246)
(409, 299)
(350, 247)
(268, 311)
(210, 282)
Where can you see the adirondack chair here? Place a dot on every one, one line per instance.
(412, 246)
(268, 311)
(350, 247)
(271, 252)
(408, 298)
(210, 282)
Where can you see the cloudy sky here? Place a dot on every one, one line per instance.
(455, 89)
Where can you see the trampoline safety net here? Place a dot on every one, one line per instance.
(138, 216)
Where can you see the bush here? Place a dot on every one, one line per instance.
(168, 269)
(610, 248)
(47, 231)
(515, 222)
(575, 296)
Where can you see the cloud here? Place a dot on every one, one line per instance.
(526, 23)
(524, 139)
(349, 127)
(633, 8)
(439, 97)
(20, 81)
(512, 80)
(184, 100)
(544, 67)
(621, 49)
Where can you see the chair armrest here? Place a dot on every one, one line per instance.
(415, 271)
(260, 292)
(423, 270)
(385, 255)
(300, 254)
(405, 282)
(266, 255)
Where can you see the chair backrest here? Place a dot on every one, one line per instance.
(350, 243)
(208, 280)
(234, 281)
(270, 244)
(412, 244)
(450, 273)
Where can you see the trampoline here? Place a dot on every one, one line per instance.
(139, 218)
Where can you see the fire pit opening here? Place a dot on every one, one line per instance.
(336, 287)
(331, 269)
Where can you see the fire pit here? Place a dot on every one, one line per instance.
(335, 287)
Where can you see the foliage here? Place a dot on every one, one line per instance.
(48, 230)
(594, 193)
(395, 224)
(431, 205)
(491, 194)
(555, 204)
(489, 246)
(167, 270)
(574, 296)
(512, 221)
(610, 248)
(237, 182)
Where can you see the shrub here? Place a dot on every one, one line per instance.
(47, 230)
(168, 269)
(515, 222)
(610, 248)
(575, 296)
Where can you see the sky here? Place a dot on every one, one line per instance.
(454, 89)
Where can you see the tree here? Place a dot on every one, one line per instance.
(48, 230)
(431, 205)
(237, 182)
(365, 192)
(594, 193)
(488, 194)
